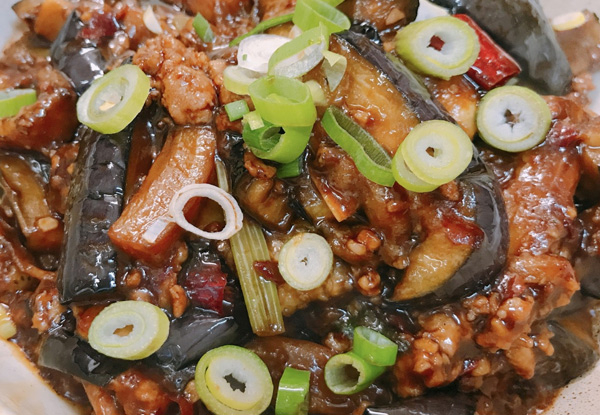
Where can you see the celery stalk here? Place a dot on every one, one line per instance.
(248, 246)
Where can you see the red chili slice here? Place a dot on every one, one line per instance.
(494, 66)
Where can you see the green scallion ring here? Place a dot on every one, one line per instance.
(348, 373)
(292, 169)
(301, 54)
(12, 100)
(437, 152)
(236, 110)
(305, 261)
(442, 46)
(292, 394)
(374, 347)
(513, 118)
(283, 101)
(203, 29)
(262, 27)
(269, 143)
(218, 375)
(129, 330)
(114, 100)
(310, 13)
(368, 155)
(406, 178)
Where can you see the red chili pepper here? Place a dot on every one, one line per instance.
(206, 287)
(493, 67)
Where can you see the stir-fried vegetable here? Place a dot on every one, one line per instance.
(114, 100)
(232, 380)
(374, 347)
(348, 373)
(312, 13)
(300, 55)
(513, 118)
(305, 261)
(129, 330)
(437, 151)
(293, 392)
(370, 158)
(406, 178)
(442, 46)
(12, 100)
(262, 27)
(203, 29)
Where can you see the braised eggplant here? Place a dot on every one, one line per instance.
(77, 57)
(386, 16)
(509, 22)
(581, 44)
(435, 404)
(587, 270)
(88, 267)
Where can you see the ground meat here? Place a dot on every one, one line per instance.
(46, 306)
(272, 8)
(180, 74)
(140, 395)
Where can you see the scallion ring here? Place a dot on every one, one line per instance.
(292, 169)
(300, 55)
(374, 347)
(231, 380)
(368, 155)
(283, 101)
(255, 51)
(442, 46)
(292, 393)
(129, 330)
(437, 152)
(311, 13)
(262, 27)
(114, 100)
(12, 100)
(233, 213)
(513, 118)
(348, 373)
(271, 143)
(305, 261)
(237, 79)
(236, 110)
(203, 29)
(334, 66)
(407, 178)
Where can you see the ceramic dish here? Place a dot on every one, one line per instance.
(23, 392)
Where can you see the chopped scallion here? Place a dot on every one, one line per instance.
(262, 27)
(312, 13)
(374, 347)
(203, 29)
(253, 120)
(348, 373)
(292, 394)
(12, 100)
(271, 143)
(236, 110)
(298, 56)
(305, 261)
(289, 170)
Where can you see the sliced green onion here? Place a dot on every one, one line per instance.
(255, 51)
(8, 328)
(348, 373)
(305, 261)
(513, 118)
(262, 27)
(289, 170)
(437, 152)
(317, 93)
(231, 380)
(253, 120)
(368, 155)
(114, 100)
(374, 347)
(270, 143)
(151, 22)
(129, 330)
(12, 100)
(202, 28)
(312, 13)
(292, 394)
(300, 55)
(237, 79)
(407, 178)
(442, 46)
(283, 101)
(236, 110)
(335, 67)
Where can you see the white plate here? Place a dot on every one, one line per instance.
(579, 398)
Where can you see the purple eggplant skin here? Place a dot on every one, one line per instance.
(405, 81)
(88, 266)
(587, 269)
(522, 29)
(78, 58)
(436, 404)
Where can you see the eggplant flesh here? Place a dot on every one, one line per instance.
(88, 266)
(437, 404)
(522, 29)
(78, 58)
(587, 270)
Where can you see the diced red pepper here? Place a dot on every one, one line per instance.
(206, 287)
(269, 271)
(494, 66)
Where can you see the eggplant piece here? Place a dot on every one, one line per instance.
(522, 29)
(436, 404)
(88, 266)
(77, 57)
(405, 81)
(487, 259)
(581, 44)
(587, 269)
(386, 16)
